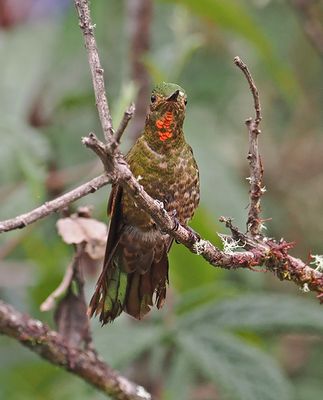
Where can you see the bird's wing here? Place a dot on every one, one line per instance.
(115, 231)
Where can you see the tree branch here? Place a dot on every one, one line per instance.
(52, 347)
(50, 207)
(124, 122)
(255, 165)
(97, 71)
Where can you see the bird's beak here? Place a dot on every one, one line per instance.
(173, 97)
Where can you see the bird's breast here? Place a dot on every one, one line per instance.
(172, 179)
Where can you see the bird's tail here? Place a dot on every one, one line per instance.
(109, 296)
(133, 292)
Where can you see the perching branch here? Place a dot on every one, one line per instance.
(51, 346)
(255, 165)
(21, 221)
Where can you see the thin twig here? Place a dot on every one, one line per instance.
(103, 151)
(54, 205)
(51, 346)
(97, 71)
(240, 64)
(124, 122)
(255, 165)
(50, 302)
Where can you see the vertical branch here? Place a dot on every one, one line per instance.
(139, 21)
(255, 165)
(95, 67)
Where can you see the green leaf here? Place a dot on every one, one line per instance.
(113, 341)
(22, 66)
(20, 141)
(260, 313)
(240, 371)
(203, 294)
(180, 377)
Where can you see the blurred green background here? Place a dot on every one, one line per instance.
(222, 335)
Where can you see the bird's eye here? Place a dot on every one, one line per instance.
(185, 101)
(153, 98)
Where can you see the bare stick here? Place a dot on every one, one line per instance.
(255, 165)
(124, 122)
(51, 346)
(54, 205)
(49, 303)
(96, 68)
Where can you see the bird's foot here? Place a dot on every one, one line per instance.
(194, 236)
(173, 215)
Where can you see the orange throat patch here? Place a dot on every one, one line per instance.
(164, 126)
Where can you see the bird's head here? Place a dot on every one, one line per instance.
(167, 111)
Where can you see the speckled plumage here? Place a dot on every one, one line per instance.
(135, 270)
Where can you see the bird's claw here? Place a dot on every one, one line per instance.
(173, 215)
(194, 236)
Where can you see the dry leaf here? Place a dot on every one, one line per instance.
(71, 319)
(75, 230)
(71, 231)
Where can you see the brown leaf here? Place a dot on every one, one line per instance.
(89, 265)
(70, 231)
(94, 230)
(75, 230)
(71, 319)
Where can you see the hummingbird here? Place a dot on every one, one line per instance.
(135, 268)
